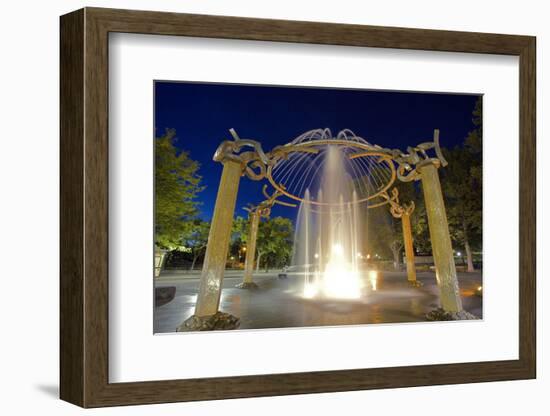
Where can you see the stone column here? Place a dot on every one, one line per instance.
(208, 300)
(247, 282)
(439, 234)
(409, 251)
(218, 240)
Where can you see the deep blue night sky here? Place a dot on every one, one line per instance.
(202, 114)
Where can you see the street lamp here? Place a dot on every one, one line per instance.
(459, 254)
(242, 252)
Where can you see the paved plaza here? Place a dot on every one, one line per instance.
(277, 303)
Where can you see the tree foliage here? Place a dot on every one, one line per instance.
(239, 230)
(462, 188)
(419, 225)
(239, 237)
(196, 239)
(274, 243)
(177, 184)
(461, 183)
(383, 234)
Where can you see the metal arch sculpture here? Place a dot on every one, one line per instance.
(257, 164)
(253, 162)
(255, 214)
(397, 209)
(284, 163)
(403, 211)
(416, 157)
(303, 157)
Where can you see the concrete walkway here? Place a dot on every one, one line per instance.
(278, 303)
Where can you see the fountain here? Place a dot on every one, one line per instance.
(336, 179)
(329, 230)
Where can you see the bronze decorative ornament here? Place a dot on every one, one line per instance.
(300, 159)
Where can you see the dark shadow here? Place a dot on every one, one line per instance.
(49, 390)
(163, 295)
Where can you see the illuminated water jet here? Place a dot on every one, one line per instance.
(373, 279)
(328, 234)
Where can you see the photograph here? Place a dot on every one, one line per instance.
(268, 208)
(290, 206)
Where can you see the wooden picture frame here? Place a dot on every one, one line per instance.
(84, 207)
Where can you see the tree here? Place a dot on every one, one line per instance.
(239, 229)
(274, 242)
(462, 186)
(463, 194)
(419, 225)
(197, 239)
(392, 235)
(396, 246)
(384, 235)
(177, 184)
(473, 141)
(239, 237)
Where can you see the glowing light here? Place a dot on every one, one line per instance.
(340, 280)
(368, 256)
(310, 290)
(459, 254)
(480, 288)
(337, 250)
(330, 234)
(373, 279)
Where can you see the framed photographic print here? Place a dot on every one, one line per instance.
(256, 207)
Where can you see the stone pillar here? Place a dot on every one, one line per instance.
(247, 283)
(409, 251)
(439, 234)
(218, 240)
(207, 316)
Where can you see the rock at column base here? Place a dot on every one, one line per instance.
(216, 322)
(247, 285)
(440, 314)
(415, 283)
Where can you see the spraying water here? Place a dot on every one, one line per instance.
(328, 235)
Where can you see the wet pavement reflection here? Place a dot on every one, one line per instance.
(278, 303)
